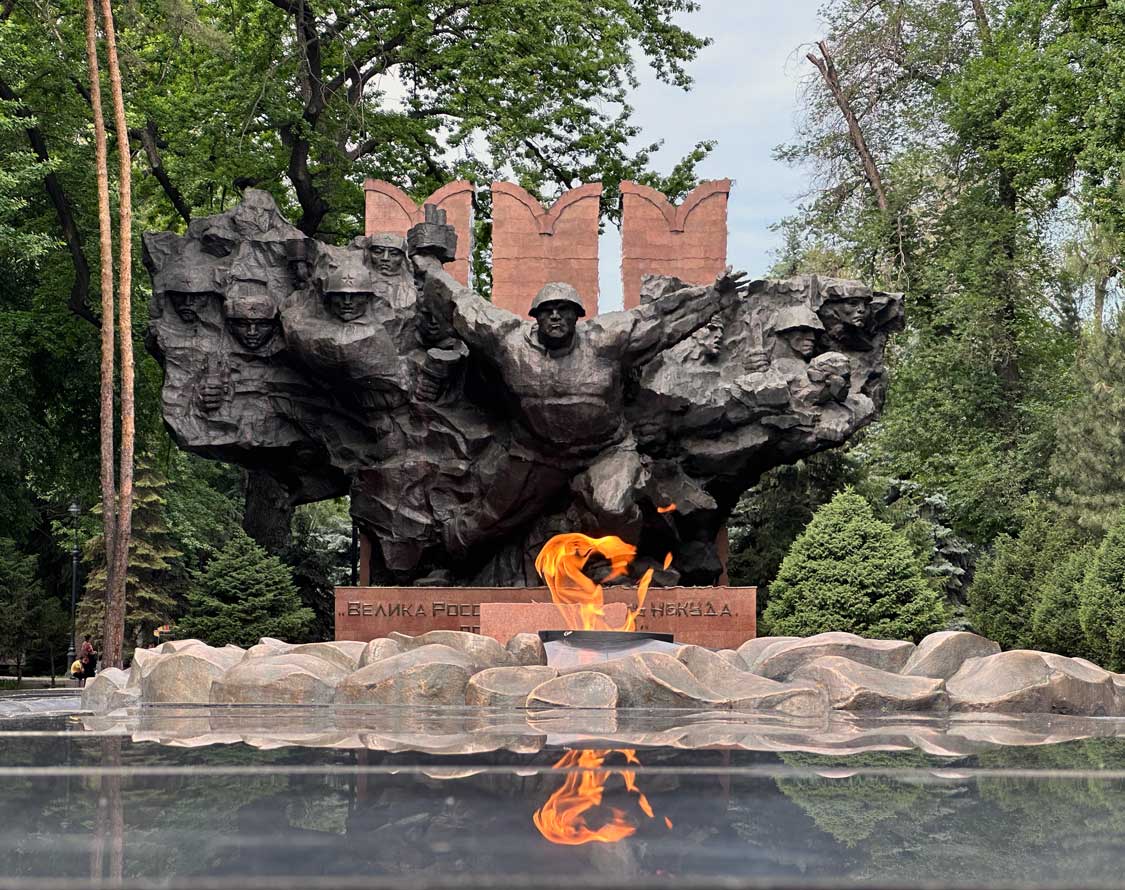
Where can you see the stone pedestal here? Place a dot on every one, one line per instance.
(717, 617)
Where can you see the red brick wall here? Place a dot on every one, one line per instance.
(388, 208)
(688, 241)
(532, 246)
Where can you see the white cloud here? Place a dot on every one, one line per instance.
(745, 97)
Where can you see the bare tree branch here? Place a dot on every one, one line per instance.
(564, 177)
(827, 67)
(148, 138)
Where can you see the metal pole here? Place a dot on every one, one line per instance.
(74, 510)
(355, 554)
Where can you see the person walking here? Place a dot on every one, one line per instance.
(89, 658)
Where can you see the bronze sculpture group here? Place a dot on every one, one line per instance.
(466, 435)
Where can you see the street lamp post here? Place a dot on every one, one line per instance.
(75, 511)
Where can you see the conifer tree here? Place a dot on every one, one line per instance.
(1088, 467)
(242, 595)
(20, 597)
(849, 571)
(1101, 597)
(1055, 622)
(152, 584)
(1005, 590)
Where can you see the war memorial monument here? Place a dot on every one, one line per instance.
(542, 678)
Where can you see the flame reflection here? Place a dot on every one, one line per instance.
(563, 818)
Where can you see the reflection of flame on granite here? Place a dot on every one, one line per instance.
(562, 819)
(560, 564)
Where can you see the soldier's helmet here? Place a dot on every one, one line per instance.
(348, 278)
(388, 239)
(247, 303)
(557, 292)
(793, 317)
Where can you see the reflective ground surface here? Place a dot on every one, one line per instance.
(248, 798)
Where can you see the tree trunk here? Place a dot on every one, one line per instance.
(1101, 288)
(269, 513)
(105, 245)
(115, 612)
(983, 27)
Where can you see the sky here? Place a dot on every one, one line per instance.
(745, 97)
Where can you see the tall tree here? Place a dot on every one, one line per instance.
(117, 504)
(980, 119)
(245, 594)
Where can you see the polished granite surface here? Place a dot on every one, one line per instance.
(317, 797)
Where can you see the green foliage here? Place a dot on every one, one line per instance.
(1089, 465)
(1003, 596)
(1055, 622)
(319, 554)
(849, 571)
(922, 519)
(20, 598)
(1101, 597)
(151, 582)
(202, 505)
(19, 176)
(774, 512)
(244, 594)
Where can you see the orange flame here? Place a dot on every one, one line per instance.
(562, 819)
(560, 564)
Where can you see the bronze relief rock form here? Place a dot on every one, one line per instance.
(468, 435)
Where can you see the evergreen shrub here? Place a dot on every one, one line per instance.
(1101, 598)
(1009, 581)
(242, 595)
(849, 571)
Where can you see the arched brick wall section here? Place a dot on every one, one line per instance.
(657, 237)
(387, 208)
(532, 246)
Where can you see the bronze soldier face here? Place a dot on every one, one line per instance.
(188, 305)
(253, 333)
(852, 311)
(387, 260)
(557, 323)
(348, 306)
(251, 319)
(801, 340)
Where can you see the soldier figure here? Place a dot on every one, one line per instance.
(566, 386)
(796, 328)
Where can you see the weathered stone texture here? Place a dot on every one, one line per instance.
(290, 678)
(427, 675)
(583, 689)
(942, 654)
(506, 687)
(854, 686)
(780, 662)
(1033, 682)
